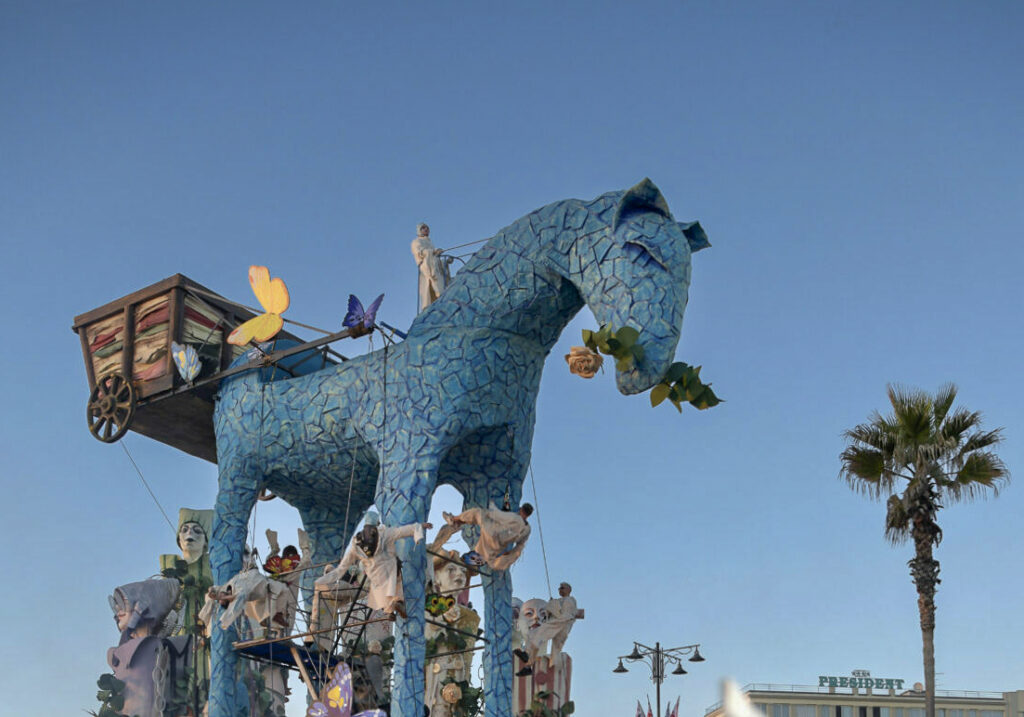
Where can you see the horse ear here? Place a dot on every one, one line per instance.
(643, 197)
(694, 234)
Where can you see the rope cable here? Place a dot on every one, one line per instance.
(152, 495)
(459, 246)
(540, 529)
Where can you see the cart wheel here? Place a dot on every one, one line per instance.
(111, 408)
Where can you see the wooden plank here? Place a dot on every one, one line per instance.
(128, 344)
(176, 328)
(89, 372)
(302, 671)
(183, 421)
(113, 307)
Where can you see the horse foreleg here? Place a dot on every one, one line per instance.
(407, 486)
(236, 494)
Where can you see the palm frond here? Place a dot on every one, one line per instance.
(982, 474)
(874, 435)
(912, 411)
(864, 471)
(897, 521)
(958, 423)
(982, 439)
(942, 402)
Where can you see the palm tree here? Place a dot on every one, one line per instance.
(934, 456)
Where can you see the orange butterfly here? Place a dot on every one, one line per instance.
(273, 297)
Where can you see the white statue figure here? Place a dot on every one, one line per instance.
(333, 592)
(434, 269)
(559, 614)
(503, 534)
(268, 604)
(374, 548)
(450, 581)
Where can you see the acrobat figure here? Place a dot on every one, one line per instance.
(435, 273)
(503, 534)
(374, 548)
(561, 614)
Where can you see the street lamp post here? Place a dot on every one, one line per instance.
(656, 658)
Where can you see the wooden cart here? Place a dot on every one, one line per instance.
(133, 381)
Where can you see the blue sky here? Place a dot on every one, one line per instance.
(856, 167)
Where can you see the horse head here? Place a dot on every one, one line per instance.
(632, 268)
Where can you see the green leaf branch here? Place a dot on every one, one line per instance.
(682, 383)
(621, 345)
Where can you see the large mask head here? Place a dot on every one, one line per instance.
(192, 541)
(194, 528)
(533, 613)
(450, 577)
(368, 539)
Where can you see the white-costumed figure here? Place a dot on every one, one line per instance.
(434, 270)
(374, 548)
(503, 534)
(560, 614)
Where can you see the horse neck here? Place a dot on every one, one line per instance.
(512, 285)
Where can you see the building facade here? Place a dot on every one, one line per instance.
(860, 695)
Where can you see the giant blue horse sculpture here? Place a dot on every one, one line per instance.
(454, 403)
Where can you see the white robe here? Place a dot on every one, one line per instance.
(561, 615)
(433, 277)
(382, 567)
(502, 535)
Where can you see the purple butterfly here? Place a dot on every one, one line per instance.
(336, 697)
(358, 319)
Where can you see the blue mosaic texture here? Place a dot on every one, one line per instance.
(453, 404)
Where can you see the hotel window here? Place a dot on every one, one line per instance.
(941, 713)
(824, 710)
(899, 712)
(844, 711)
(879, 712)
(761, 707)
(862, 712)
(780, 710)
(972, 713)
(954, 713)
(915, 712)
(803, 710)
(991, 713)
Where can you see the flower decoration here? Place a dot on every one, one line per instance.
(583, 362)
(451, 693)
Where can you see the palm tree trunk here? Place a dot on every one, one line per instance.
(924, 569)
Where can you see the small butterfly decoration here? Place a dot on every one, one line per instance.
(273, 297)
(439, 604)
(361, 321)
(336, 697)
(186, 360)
